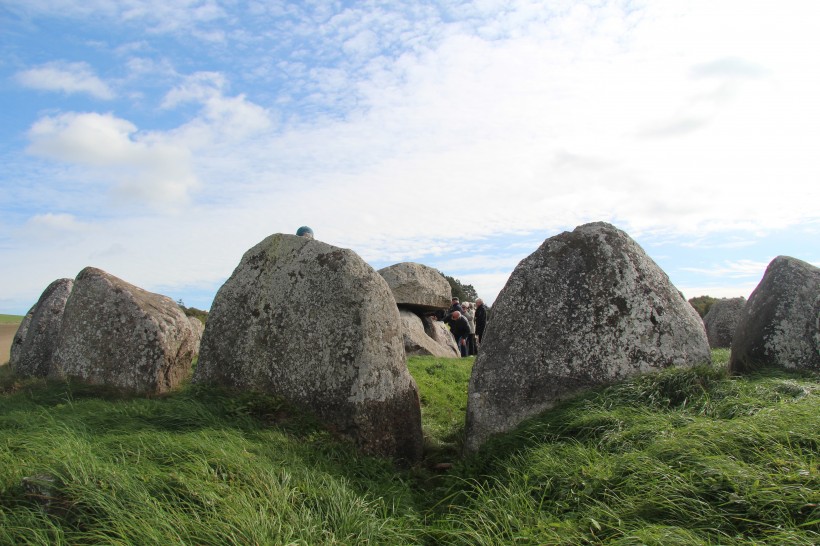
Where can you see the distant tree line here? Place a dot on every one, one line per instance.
(464, 292)
(702, 304)
(193, 312)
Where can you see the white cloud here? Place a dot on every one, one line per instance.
(482, 262)
(146, 67)
(230, 118)
(728, 68)
(533, 134)
(53, 226)
(160, 16)
(443, 125)
(165, 16)
(727, 243)
(725, 290)
(488, 285)
(67, 78)
(90, 138)
(736, 269)
(149, 168)
(66, 8)
(198, 87)
(222, 118)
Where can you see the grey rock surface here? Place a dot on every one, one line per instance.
(780, 324)
(317, 325)
(721, 321)
(418, 340)
(119, 335)
(34, 343)
(588, 307)
(417, 286)
(197, 328)
(440, 334)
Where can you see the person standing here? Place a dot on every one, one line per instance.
(480, 320)
(469, 313)
(454, 306)
(460, 329)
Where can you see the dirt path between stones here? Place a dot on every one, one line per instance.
(7, 332)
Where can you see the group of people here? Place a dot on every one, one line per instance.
(467, 322)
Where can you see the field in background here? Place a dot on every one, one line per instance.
(8, 327)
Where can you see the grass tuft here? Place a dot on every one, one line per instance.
(687, 456)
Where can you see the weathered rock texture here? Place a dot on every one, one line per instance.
(36, 338)
(197, 328)
(440, 334)
(721, 321)
(315, 324)
(587, 308)
(416, 286)
(119, 335)
(419, 337)
(780, 324)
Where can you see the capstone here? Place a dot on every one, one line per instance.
(417, 287)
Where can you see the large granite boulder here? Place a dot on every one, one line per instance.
(587, 308)
(721, 321)
(417, 287)
(418, 340)
(780, 324)
(317, 325)
(119, 335)
(36, 339)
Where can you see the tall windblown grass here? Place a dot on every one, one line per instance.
(681, 457)
(196, 468)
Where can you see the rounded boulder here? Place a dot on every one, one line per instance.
(315, 324)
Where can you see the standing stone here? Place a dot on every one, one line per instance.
(587, 308)
(441, 334)
(197, 328)
(119, 335)
(721, 321)
(416, 286)
(315, 324)
(780, 324)
(36, 339)
(418, 342)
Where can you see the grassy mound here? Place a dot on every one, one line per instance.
(681, 457)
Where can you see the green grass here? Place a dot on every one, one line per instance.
(443, 391)
(681, 457)
(11, 319)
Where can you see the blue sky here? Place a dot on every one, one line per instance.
(160, 139)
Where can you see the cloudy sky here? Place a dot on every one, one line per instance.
(160, 139)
